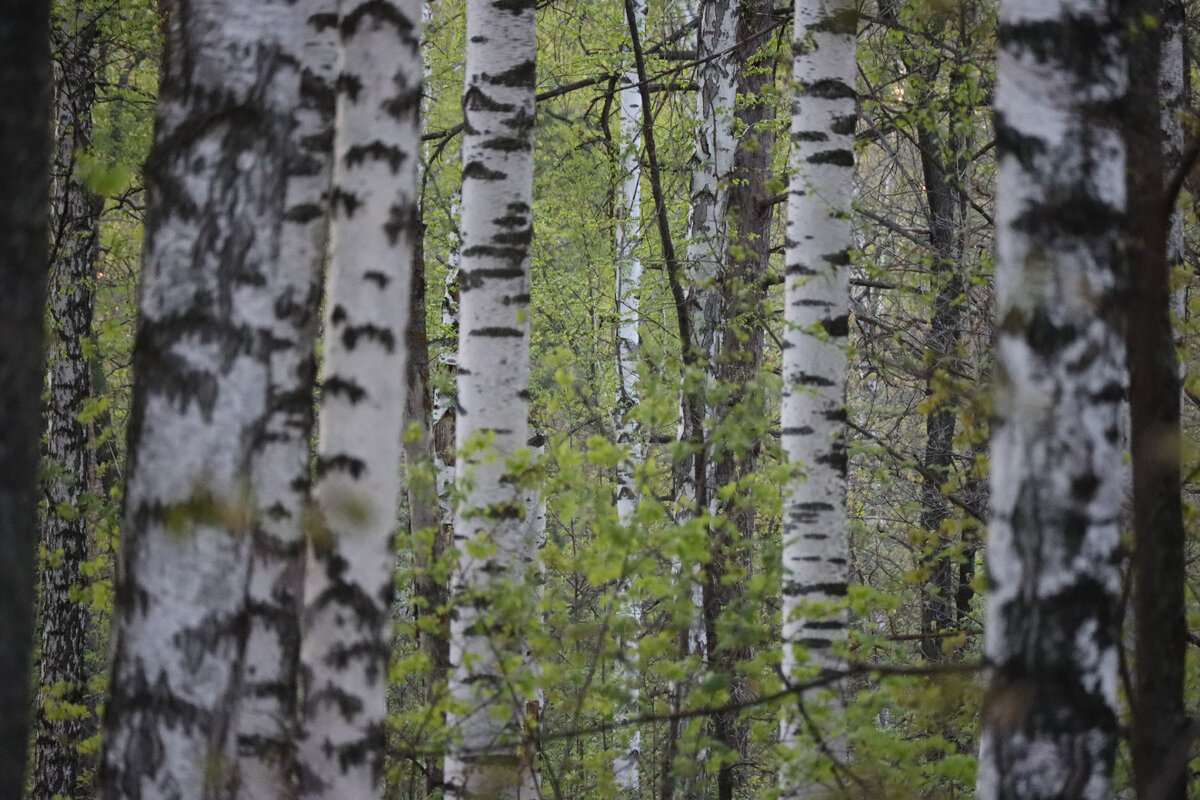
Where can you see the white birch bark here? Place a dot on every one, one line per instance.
(492, 756)
(712, 162)
(1050, 725)
(350, 575)
(202, 365)
(816, 307)
(629, 277)
(266, 721)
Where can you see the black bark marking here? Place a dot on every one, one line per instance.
(371, 332)
(521, 75)
(346, 388)
(402, 219)
(378, 278)
(348, 201)
(844, 125)
(340, 463)
(475, 170)
(837, 327)
(376, 151)
(379, 11)
(837, 158)
(829, 89)
(349, 85)
(497, 333)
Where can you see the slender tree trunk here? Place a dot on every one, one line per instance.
(202, 398)
(266, 721)
(1160, 743)
(1050, 720)
(946, 205)
(816, 548)
(351, 545)
(736, 368)
(629, 277)
(691, 412)
(63, 718)
(494, 757)
(430, 536)
(712, 164)
(25, 85)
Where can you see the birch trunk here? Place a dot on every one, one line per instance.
(1153, 138)
(629, 277)
(351, 558)
(63, 719)
(266, 720)
(493, 757)
(736, 366)
(711, 163)
(25, 84)
(816, 313)
(203, 365)
(1050, 722)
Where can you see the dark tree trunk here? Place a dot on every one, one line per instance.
(63, 720)
(737, 366)
(429, 536)
(1160, 744)
(25, 142)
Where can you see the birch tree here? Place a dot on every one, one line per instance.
(736, 364)
(62, 716)
(202, 397)
(350, 575)
(1050, 725)
(266, 721)
(25, 85)
(629, 278)
(493, 538)
(816, 326)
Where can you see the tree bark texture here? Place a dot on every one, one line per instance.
(25, 85)
(1050, 720)
(492, 756)
(816, 547)
(430, 536)
(63, 718)
(1160, 742)
(351, 545)
(737, 362)
(205, 397)
(629, 278)
(266, 721)
(946, 212)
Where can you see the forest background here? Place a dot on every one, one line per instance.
(653, 630)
